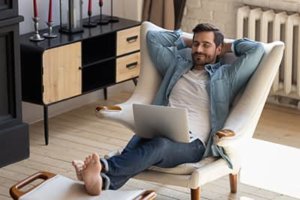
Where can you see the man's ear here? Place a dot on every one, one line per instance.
(219, 49)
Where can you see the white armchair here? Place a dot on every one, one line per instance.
(242, 120)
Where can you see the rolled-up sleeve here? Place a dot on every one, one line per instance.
(249, 54)
(163, 47)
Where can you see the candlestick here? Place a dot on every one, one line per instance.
(50, 12)
(101, 20)
(112, 19)
(36, 36)
(35, 10)
(89, 23)
(50, 33)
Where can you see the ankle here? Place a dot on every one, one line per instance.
(105, 181)
(104, 165)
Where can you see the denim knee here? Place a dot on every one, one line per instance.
(160, 143)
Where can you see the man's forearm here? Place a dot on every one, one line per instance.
(162, 38)
(187, 40)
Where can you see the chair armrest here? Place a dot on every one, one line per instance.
(108, 108)
(147, 195)
(121, 113)
(225, 133)
(227, 142)
(227, 137)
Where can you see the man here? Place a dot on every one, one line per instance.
(194, 78)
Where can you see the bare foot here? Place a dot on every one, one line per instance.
(91, 174)
(78, 165)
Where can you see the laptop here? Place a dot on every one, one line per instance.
(152, 120)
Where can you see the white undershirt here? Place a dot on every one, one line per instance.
(190, 92)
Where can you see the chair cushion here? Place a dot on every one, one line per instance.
(183, 169)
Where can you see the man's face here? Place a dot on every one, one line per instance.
(204, 50)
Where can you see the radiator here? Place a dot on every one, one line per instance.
(268, 25)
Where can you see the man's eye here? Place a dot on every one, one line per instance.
(206, 45)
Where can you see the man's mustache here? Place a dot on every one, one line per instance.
(199, 54)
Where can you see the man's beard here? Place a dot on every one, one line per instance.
(202, 60)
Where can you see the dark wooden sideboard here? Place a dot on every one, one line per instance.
(71, 65)
(14, 139)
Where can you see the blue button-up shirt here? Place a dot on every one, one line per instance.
(172, 59)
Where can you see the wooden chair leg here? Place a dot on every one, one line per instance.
(195, 194)
(233, 182)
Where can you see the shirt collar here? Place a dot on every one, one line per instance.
(211, 68)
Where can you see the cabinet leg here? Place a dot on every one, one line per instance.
(105, 93)
(46, 124)
(134, 81)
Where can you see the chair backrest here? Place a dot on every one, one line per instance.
(250, 102)
(149, 78)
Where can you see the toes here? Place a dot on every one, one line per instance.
(95, 156)
(78, 164)
(87, 159)
(90, 159)
(86, 162)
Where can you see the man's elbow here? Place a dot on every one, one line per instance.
(260, 49)
(150, 36)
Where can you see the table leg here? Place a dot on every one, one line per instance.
(46, 124)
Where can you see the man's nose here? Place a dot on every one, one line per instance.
(199, 49)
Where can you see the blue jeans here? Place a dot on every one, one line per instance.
(141, 153)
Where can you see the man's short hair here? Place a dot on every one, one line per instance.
(206, 27)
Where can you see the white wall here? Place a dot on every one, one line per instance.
(130, 9)
(26, 10)
(223, 12)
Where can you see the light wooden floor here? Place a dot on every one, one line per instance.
(75, 134)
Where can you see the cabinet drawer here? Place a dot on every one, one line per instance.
(128, 40)
(128, 67)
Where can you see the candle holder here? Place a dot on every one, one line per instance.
(36, 36)
(89, 23)
(50, 33)
(71, 16)
(112, 19)
(102, 21)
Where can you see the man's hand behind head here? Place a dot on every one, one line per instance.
(226, 48)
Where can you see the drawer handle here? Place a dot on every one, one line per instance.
(132, 39)
(132, 65)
